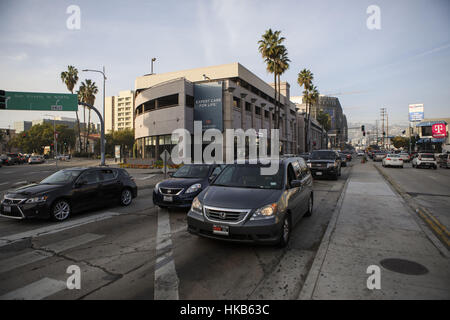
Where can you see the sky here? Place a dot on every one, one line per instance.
(406, 61)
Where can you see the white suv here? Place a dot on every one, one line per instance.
(425, 160)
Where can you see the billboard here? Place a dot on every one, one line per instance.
(208, 105)
(439, 130)
(416, 112)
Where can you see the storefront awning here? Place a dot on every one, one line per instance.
(430, 123)
(430, 140)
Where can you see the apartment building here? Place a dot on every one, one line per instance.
(119, 114)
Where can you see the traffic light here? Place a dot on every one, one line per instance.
(2, 100)
(363, 128)
(364, 133)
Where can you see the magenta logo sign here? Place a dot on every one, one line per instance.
(439, 130)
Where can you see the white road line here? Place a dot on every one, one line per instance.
(147, 177)
(36, 291)
(19, 182)
(67, 244)
(22, 260)
(166, 278)
(37, 255)
(54, 228)
(3, 183)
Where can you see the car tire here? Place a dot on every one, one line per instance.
(126, 197)
(310, 207)
(285, 233)
(60, 210)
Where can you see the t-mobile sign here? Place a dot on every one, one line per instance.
(438, 130)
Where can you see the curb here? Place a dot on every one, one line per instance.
(307, 290)
(438, 234)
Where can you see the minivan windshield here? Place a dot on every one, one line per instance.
(249, 176)
(192, 171)
(61, 177)
(322, 155)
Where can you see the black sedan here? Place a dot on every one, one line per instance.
(68, 191)
(184, 185)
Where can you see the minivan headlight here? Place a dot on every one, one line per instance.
(197, 206)
(194, 188)
(266, 212)
(37, 199)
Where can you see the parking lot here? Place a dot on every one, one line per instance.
(145, 252)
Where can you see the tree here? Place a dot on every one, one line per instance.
(282, 65)
(70, 78)
(87, 91)
(400, 142)
(304, 79)
(269, 47)
(324, 119)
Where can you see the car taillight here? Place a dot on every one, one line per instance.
(388, 158)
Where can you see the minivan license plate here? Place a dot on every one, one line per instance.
(221, 230)
(168, 198)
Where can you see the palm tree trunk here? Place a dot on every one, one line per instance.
(78, 123)
(275, 102)
(306, 127)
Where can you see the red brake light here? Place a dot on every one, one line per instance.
(388, 158)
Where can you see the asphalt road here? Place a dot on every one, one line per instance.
(430, 188)
(143, 252)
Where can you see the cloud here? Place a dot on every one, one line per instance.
(18, 57)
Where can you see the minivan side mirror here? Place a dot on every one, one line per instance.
(212, 177)
(296, 183)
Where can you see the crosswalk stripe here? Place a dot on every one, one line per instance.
(22, 260)
(54, 228)
(147, 177)
(36, 291)
(67, 244)
(43, 252)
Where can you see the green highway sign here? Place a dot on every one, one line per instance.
(41, 101)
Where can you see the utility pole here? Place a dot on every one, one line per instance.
(376, 126)
(383, 115)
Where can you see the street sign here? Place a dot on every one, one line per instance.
(165, 155)
(41, 101)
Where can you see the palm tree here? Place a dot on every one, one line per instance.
(70, 78)
(88, 91)
(311, 97)
(304, 79)
(282, 65)
(269, 47)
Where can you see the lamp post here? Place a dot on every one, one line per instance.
(102, 137)
(153, 60)
(55, 142)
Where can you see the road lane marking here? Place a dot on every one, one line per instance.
(3, 183)
(23, 259)
(147, 177)
(36, 291)
(43, 252)
(54, 228)
(166, 278)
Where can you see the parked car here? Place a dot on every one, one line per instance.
(5, 160)
(13, 158)
(425, 160)
(305, 156)
(68, 191)
(243, 205)
(184, 185)
(348, 153)
(62, 157)
(379, 156)
(36, 159)
(392, 160)
(344, 159)
(325, 163)
(405, 156)
(445, 160)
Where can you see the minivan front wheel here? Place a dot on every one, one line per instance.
(285, 232)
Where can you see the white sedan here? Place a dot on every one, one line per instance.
(393, 160)
(36, 159)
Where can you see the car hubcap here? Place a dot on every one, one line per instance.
(286, 230)
(61, 210)
(126, 197)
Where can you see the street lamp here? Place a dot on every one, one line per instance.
(153, 60)
(55, 142)
(102, 137)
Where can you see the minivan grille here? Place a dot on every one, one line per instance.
(225, 215)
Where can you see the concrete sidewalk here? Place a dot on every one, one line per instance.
(371, 224)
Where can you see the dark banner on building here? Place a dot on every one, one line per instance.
(208, 105)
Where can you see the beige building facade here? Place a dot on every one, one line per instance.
(119, 111)
(165, 102)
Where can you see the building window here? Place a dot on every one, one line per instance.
(189, 101)
(149, 105)
(257, 110)
(236, 102)
(168, 101)
(266, 114)
(248, 106)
